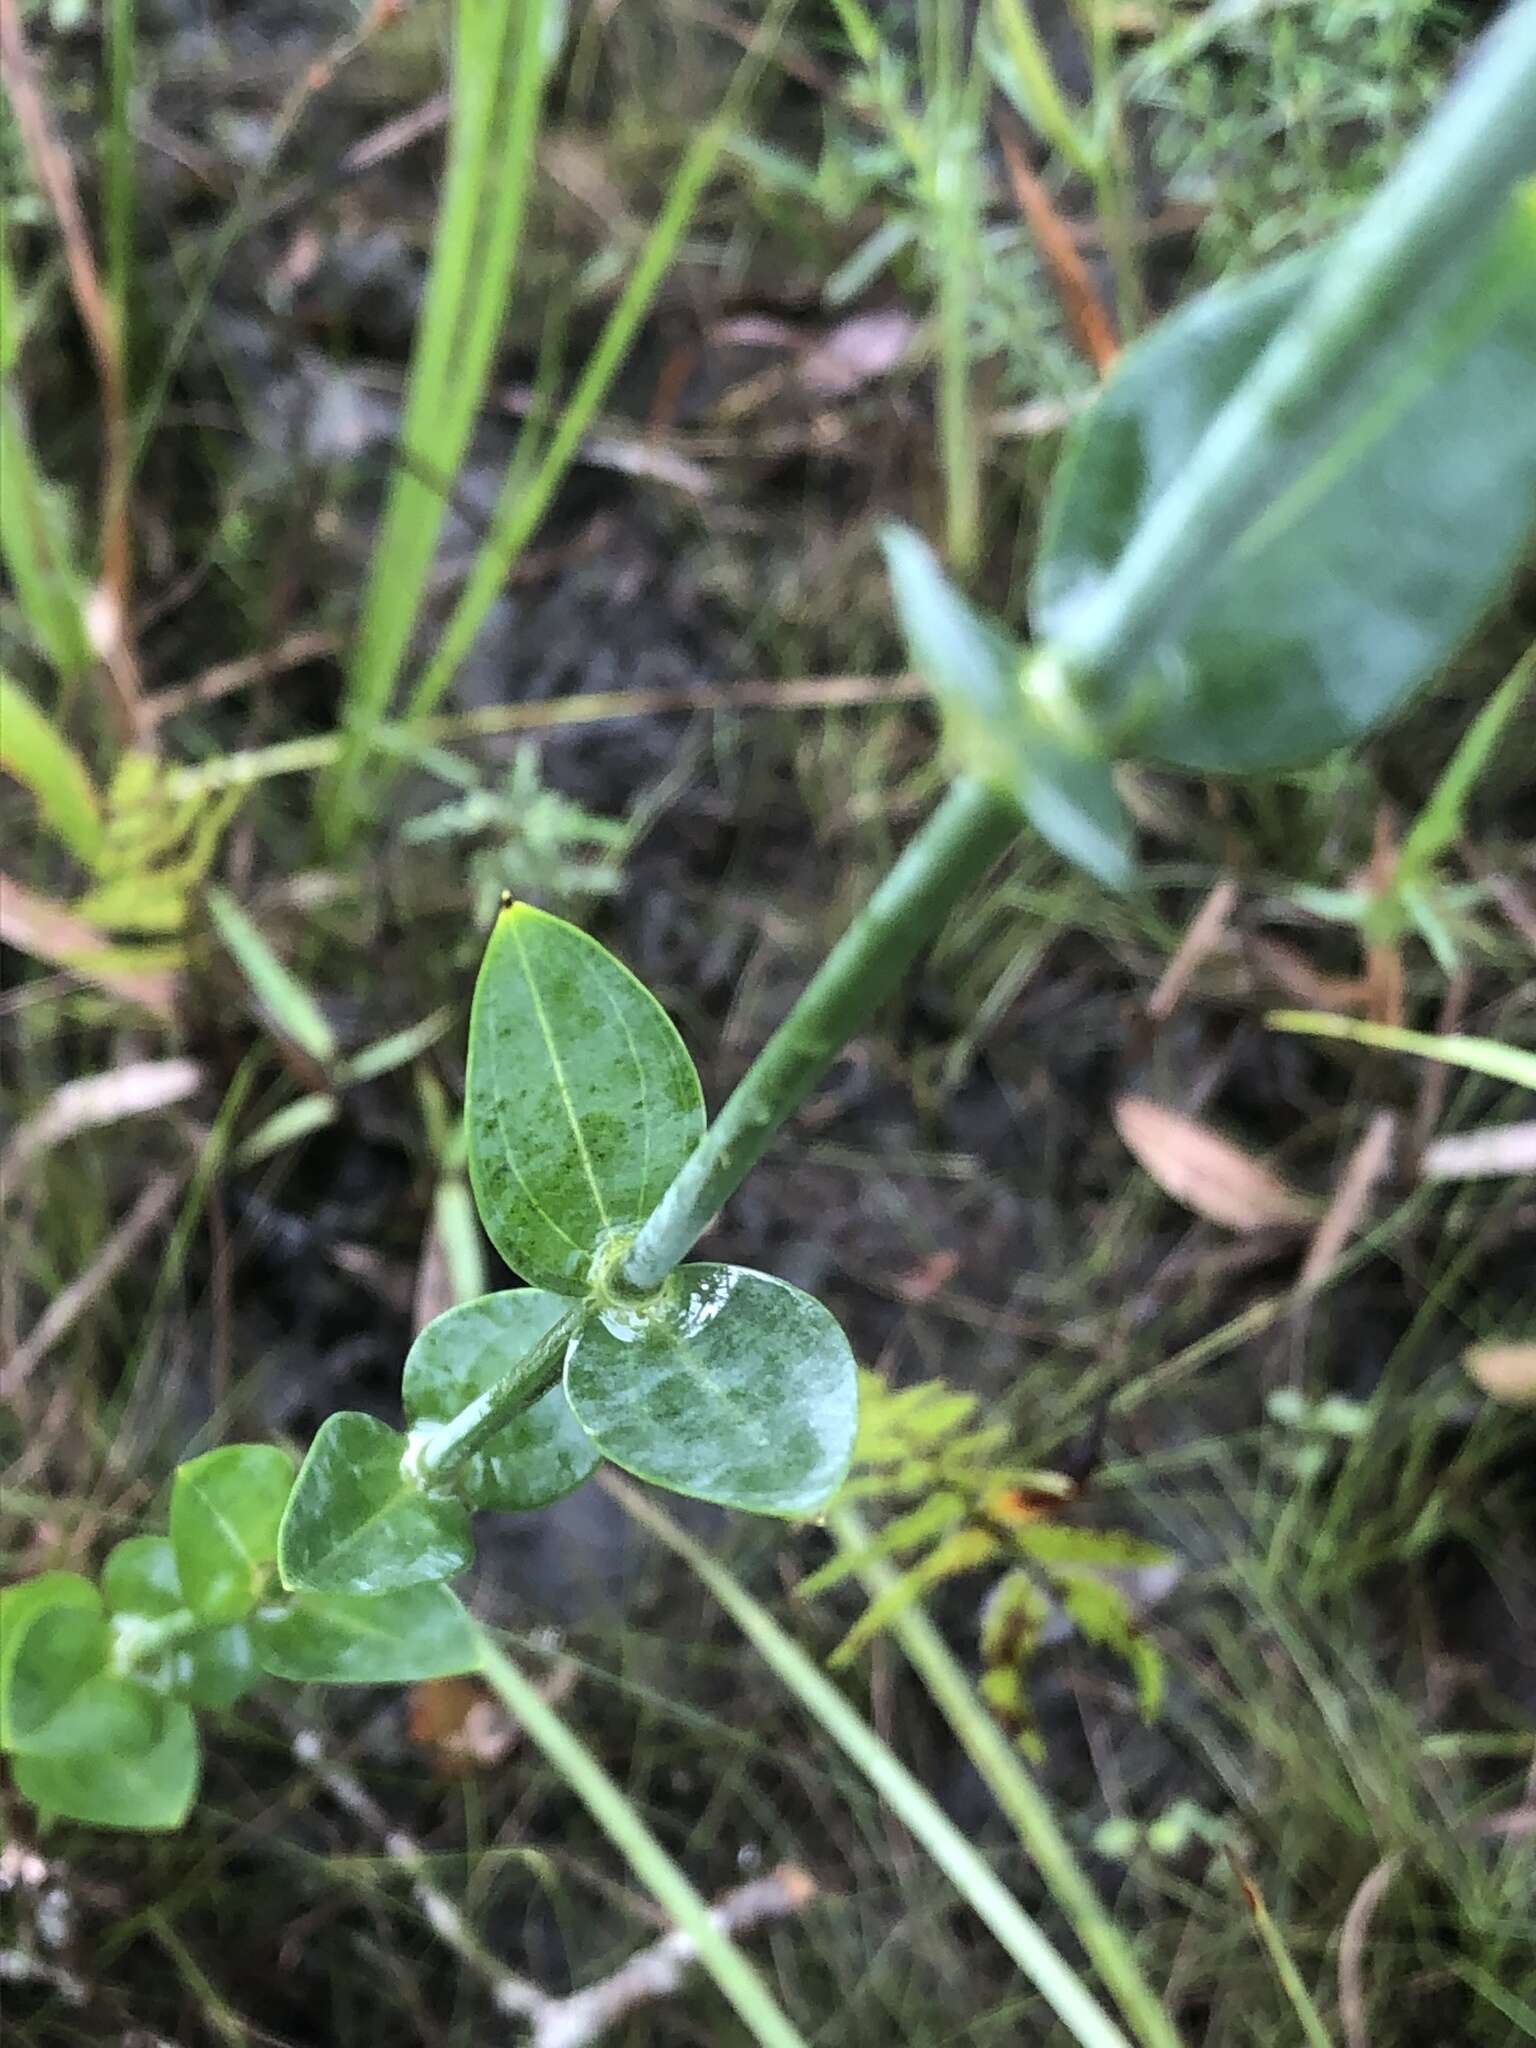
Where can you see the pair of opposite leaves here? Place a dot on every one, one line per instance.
(582, 1104)
(112, 1740)
(1397, 515)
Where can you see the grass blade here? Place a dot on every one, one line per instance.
(290, 1006)
(633, 1839)
(1006, 1777)
(497, 102)
(972, 1876)
(1476, 1055)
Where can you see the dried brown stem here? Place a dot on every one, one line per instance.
(655, 1972)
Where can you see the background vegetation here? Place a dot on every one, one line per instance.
(669, 707)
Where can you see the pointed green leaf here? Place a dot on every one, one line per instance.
(582, 1102)
(925, 1524)
(37, 754)
(149, 1789)
(63, 1595)
(355, 1523)
(1405, 511)
(961, 1552)
(993, 727)
(289, 1006)
(139, 1577)
(1055, 1544)
(226, 1507)
(391, 1638)
(545, 1452)
(734, 1388)
(1102, 1614)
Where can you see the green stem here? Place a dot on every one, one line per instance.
(962, 839)
(137, 1637)
(1445, 193)
(1002, 1770)
(633, 1839)
(1041, 1962)
(448, 1449)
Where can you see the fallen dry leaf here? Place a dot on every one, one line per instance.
(1505, 1371)
(138, 1089)
(1207, 1173)
(856, 352)
(35, 924)
(1500, 1150)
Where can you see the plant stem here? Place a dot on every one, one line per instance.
(1002, 1770)
(138, 1636)
(646, 1857)
(1445, 194)
(967, 832)
(972, 1876)
(448, 1449)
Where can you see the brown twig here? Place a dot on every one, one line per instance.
(1080, 303)
(582, 2017)
(1355, 1933)
(108, 617)
(229, 676)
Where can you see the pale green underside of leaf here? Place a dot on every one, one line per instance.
(1401, 517)
(355, 1524)
(993, 732)
(392, 1638)
(582, 1102)
(743, 1392)
(541, 1455)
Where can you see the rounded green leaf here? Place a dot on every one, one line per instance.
(61, 1690)
(62, 1594)
(392, 1638)
(582, 1102)
(356, 1523)
(994, 730)
(735, 1388)
(148, 1789)
(226, 1508)
(139, 1577)
(541, 1455)
(1404, 512)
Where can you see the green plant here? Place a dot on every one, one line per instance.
(1184, 618)
(972, 1508)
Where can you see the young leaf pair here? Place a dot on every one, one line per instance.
(98, 1683)
(582, 1105)
(1398, 508)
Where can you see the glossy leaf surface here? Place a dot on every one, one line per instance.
(994, 732)
(1403, 513)
(738, 1389)
(545, 1452)
(148, 1789)
(582, 1102)
(337, 1639)
(226, 1507)
(355, 1524)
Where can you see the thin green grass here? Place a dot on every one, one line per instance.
(499, 73)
